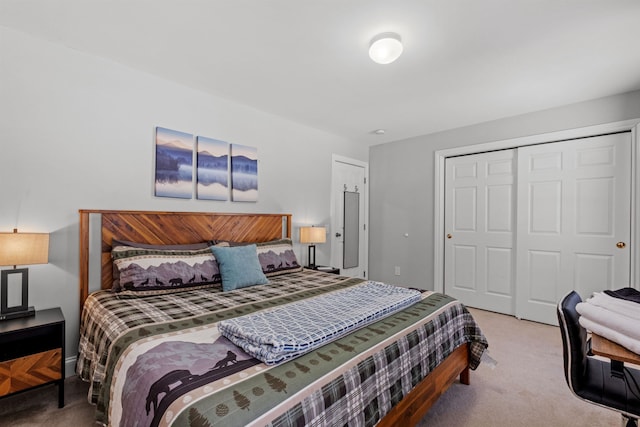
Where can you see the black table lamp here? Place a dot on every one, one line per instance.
(312, 235)
(19, 249)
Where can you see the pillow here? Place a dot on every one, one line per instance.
(187, 246)
(227, 243)
(239, 266)
(145, 269)
(277, 257)
(115, 242)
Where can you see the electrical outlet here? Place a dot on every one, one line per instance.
(397, 270)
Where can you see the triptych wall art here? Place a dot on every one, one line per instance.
(217, 164)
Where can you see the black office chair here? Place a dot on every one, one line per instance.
(590, 378)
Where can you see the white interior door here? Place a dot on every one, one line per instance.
(479, 222)
(349, 176)
(574, 204)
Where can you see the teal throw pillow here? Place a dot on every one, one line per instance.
(239, 266)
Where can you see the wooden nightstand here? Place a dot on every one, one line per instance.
(327, 269)
(32, 352)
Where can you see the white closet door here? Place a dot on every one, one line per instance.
(573, 213)
(479, 221)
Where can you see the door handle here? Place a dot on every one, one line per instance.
(338, 235)
(449, 236)
(621, 245)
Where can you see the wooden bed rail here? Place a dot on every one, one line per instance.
(418, 401)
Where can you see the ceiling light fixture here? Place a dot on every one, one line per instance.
(385, 48)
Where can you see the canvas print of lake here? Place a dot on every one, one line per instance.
(244, 173)
(174, 164)
(213, 169)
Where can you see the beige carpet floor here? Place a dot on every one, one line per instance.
(526, 388)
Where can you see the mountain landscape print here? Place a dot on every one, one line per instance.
(212, 169)
(174, 164)
(244, 173)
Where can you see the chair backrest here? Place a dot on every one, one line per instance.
(574, 341)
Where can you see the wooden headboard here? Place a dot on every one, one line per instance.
(171, 228)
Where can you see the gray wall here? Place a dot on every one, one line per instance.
(77, 132)
(402, 180)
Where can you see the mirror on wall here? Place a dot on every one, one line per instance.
(350, 252)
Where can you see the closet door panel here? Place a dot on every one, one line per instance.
(574, 201)
(479, 219)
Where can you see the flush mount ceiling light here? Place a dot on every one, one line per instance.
(385, 48)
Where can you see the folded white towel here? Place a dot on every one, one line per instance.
(611, 335)
(611, 319)
(627, 308)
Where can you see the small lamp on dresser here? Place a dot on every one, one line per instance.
(312, 235)
(19, 249)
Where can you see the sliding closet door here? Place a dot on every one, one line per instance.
(479, 221)
(573, 228)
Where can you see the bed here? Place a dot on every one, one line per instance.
(155, 356)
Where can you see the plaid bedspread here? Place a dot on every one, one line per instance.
(126, 343)
(107, 315)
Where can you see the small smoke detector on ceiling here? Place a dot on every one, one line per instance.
(379, 131)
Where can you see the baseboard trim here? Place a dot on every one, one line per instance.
(70, 366)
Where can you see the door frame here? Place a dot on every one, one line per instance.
(335, 158)
(632, 125)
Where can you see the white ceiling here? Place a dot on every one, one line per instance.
(464, 61)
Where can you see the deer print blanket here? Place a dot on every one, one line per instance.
(183, 372)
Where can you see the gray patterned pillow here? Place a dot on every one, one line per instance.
(148, 269)
(277, 257)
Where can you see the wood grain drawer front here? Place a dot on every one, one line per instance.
(29, 371)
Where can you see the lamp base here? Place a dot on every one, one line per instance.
(312, 257)
(30, 311)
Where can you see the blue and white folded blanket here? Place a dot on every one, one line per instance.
(285, 332)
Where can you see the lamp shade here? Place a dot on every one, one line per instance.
(313, 235)
(24, 248)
